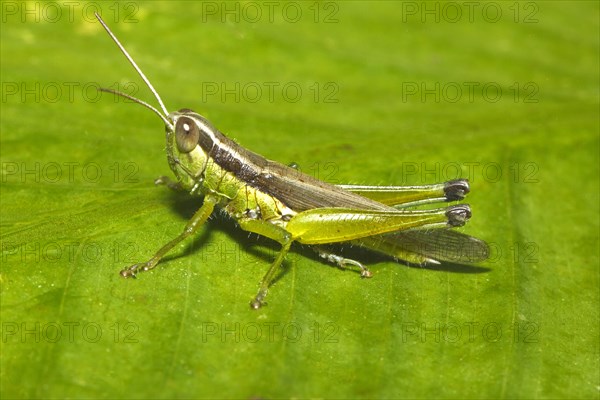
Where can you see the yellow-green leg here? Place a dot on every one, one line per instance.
(281, 236)
(191, 227)
(258, 301)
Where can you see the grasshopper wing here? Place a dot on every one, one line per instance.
(420, 246)
(302, 192)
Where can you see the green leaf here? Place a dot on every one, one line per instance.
(505, 94)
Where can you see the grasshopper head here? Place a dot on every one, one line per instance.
(186, 130)
(189, 137)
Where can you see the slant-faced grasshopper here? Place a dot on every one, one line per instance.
(283, 204)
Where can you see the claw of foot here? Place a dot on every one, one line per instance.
(127, 273)
(256, 304)
(365, 273)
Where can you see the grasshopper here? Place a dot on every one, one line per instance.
(281, 203)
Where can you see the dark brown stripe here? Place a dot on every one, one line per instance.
(293, 188)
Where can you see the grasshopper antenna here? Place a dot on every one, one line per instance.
(141, 102)
(139, 71)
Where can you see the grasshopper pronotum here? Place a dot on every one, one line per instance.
(283, 204)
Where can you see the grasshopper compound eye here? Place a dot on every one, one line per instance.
(187, 134)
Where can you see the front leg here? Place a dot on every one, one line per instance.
(168, 182)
